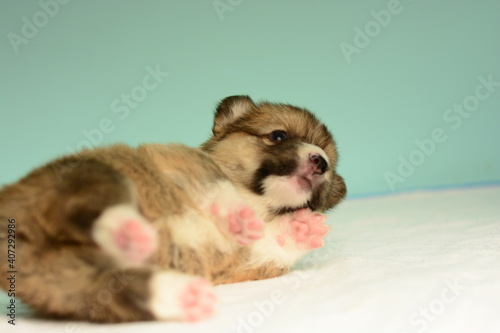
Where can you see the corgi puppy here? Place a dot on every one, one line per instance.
(119, 234)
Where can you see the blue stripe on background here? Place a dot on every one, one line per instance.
(426, 188)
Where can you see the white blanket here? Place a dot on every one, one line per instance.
(412, 262)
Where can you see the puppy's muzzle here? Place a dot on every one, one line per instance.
(318, 164)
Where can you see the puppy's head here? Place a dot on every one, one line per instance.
(282, 154)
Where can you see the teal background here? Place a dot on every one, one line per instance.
(394, 91)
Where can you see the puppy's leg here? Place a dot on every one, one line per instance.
(302, 229)
(71, 209)
(79, 283)
(96, 203)
(124, 235)
(181, 296)
(286, 240)
(233, 215)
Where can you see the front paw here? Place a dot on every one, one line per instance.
(233, 215)
(305, 228)
(239, 220)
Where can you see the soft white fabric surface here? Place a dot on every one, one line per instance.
(412, 262)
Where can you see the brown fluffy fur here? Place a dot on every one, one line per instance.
(61, 270)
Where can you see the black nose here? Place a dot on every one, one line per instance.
(319, 164)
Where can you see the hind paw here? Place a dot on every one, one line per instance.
(197, 300)
(181, 296)
(125, 235)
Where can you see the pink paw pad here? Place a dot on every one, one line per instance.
(308, 228)
(198, 300)
(242, 223)
(136, 240)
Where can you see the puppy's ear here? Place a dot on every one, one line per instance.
(230, 109)
(339, 189)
